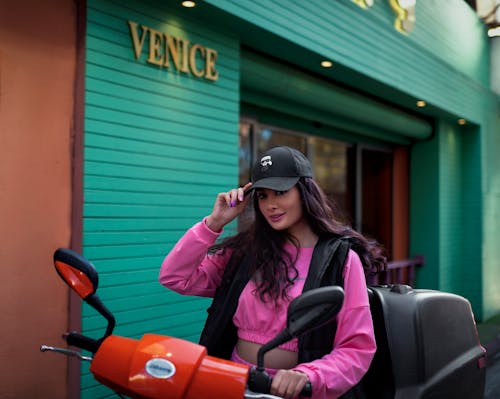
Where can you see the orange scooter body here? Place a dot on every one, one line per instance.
(158, 366)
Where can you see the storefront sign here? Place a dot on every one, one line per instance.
(404, 10)
(168, 51)
(405, 14)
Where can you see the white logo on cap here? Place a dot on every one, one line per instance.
(266, 161)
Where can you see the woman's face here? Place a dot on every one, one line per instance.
(281, 209)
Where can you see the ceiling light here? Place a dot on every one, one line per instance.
(462, 121)
(188, 4)
(326, 64)
(421, 103)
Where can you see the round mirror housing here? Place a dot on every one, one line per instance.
(80, 275)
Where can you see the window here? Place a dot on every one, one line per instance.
(357, 179)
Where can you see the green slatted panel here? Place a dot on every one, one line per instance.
(451, 216)
(159, 145)
(281, 88)
(444, 61)
(440, 61)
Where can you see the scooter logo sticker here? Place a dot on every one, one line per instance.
(160, 368)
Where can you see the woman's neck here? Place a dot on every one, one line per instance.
(304, 235)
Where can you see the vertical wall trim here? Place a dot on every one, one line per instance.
(77, 140)
(400, 224)
(358, 204)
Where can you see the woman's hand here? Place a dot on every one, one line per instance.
(288, 383)
(227, 206)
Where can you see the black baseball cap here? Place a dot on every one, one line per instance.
(280, 168)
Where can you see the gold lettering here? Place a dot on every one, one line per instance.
(155, 40)
(172, 49)
(163, 48)
(137, 41)
(192, 60)
(405, 15)
(210, 72)
(185, 54)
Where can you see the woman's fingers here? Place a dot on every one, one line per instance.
(236, 196)
(288, 383)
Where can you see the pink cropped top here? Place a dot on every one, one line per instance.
(188, 270)
(259, 321)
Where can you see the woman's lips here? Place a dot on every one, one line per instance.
(276, 218)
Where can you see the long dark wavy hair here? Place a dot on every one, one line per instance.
(272, 269)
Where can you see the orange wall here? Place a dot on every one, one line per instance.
(37, 75)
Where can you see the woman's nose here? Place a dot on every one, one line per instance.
(270, 203)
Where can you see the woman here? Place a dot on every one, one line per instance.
(293, 243)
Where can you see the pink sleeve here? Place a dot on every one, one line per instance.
(354, 345)
(187, 269)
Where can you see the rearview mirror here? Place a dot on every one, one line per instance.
(313, 308)
(82, 277)
(76, 271)
(308, 311)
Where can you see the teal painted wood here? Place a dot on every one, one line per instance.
(446, 212)
(451, 211)
(444, 61)
(472, 275)
(272, 116)
(424, 210)
(159, 145)
(286, 89)
(439, 62)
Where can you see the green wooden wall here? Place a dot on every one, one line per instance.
(445, 62)
(282, 88)
(440, 61)
(159, 145)
(446, 213)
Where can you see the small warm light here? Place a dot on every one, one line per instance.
(494, 32)
(462, 121)
(421, 104)
(188, 4)
(407, 3)
(326, 64)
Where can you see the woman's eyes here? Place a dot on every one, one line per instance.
(262, 195)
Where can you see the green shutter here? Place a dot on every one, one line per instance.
(282, 88)
(159, 145)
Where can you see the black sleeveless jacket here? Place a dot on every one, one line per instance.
(219, 335)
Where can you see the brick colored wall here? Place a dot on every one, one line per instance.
(37, 73)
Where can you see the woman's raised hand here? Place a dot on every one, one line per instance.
(228, 205)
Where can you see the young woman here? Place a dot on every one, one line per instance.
(293, 243)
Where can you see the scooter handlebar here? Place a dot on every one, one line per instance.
(82, 342)
(260, 381)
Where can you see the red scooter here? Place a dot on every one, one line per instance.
(158, 366)
(427, 347)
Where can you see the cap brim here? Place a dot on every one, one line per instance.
(276, 183)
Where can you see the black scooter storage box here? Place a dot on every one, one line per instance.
(427, 346)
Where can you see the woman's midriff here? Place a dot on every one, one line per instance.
(276, 358)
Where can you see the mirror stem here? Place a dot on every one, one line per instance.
(94, 301)
(281, 338)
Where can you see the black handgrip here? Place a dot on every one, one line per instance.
(260, 381)
(81, 341)
(307, 391)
